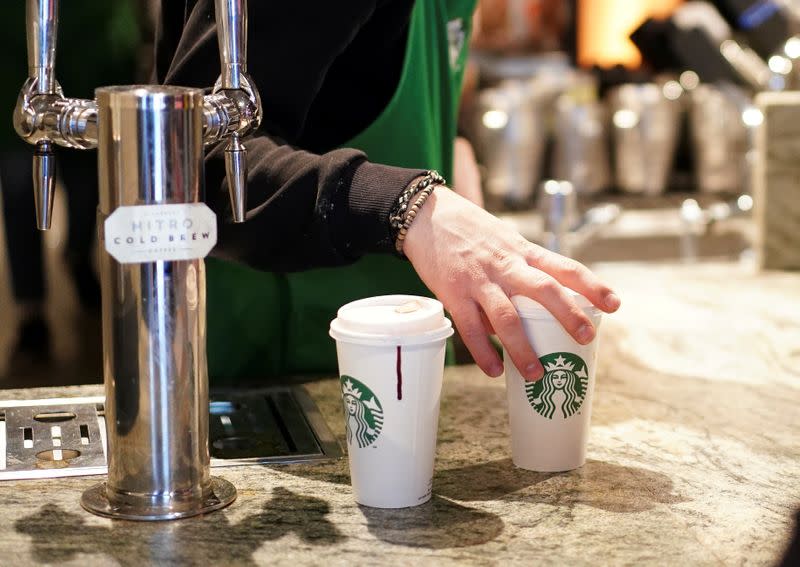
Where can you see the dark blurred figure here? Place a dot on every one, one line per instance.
(97, 43)
(792, 556)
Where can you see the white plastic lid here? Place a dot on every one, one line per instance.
(531, 309)
(391, 319)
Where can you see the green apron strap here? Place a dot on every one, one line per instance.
(246, 315)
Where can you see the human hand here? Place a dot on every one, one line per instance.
(466, 175)
(474, 263)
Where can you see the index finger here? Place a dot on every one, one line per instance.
(575, 276)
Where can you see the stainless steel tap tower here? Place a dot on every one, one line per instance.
(150, 154)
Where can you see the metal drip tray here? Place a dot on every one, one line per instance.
(67, 436)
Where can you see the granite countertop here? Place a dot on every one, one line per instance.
(693, 458)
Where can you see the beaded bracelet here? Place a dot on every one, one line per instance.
(422, 196)
(400, 217)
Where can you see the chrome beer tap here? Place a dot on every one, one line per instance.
(150, 141)
(235, 92)
(43, 116)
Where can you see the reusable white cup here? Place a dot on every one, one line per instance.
(550, 418)
(391, 362)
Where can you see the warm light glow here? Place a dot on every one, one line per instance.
(604, 27)
(552, 187)
(778, 64)
(792, 47)
(691, 211)
(495, 119)
(625, 119)
(752, 117)
(745, 202)
(672, 90)
(689, 80)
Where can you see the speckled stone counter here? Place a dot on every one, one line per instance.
(694, 458)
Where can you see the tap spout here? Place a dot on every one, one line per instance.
(233, 110)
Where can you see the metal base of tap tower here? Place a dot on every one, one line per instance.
(95, 500)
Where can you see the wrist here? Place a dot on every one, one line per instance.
(419, 235)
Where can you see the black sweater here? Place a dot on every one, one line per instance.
(325, 71)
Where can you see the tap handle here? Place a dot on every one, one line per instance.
(44, 183)
(231, 18)
(42, 26)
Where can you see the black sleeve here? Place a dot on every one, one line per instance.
(304, 210)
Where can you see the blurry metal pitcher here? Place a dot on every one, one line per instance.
(509, 141)
(645, 125)
(580, 155)
(719, 139)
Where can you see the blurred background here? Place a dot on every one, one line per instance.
(49, 290)
(624, 130)
(607, 130)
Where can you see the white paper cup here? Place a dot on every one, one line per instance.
(391, 362)
(550, 418)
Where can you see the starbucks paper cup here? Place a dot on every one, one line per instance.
(391, 362)
(550, 418)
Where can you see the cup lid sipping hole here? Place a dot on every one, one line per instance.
(530, 308)
(391, 318)
(409, 307)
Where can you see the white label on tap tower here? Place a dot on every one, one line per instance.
(148, 233)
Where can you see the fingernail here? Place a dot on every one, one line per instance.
(585, 334)
(612, 301)
(495, 370)
(534, 371)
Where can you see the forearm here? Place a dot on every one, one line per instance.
(467, 176)
(306, 210)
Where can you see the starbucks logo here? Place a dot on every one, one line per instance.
(363, 412)
(562, 388)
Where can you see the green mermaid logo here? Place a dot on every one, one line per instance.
(363, 412)
(563, 386)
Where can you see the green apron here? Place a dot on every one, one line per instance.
(261, 324)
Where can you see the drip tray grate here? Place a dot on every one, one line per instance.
(67, 436)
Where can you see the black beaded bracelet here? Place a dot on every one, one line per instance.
(422, 196)
(398, 215)
(408, 205)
